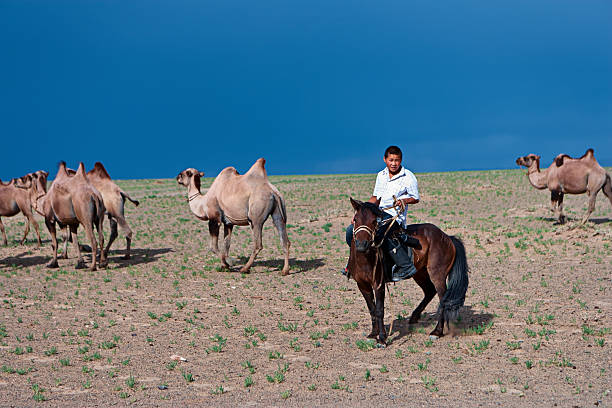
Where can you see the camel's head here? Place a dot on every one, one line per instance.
(185, 176)
(41, 179)
(528, 160)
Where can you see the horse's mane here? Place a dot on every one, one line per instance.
(373, 208)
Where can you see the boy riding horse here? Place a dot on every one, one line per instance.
(395, 188)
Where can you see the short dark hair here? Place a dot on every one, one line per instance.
(393, 150)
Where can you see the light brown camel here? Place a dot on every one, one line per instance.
(568, 176)
(72, 201)
(114, 202)
(235, 199)
(14, 200)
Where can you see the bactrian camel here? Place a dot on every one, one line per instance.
(567, 175)
(14, 200)
(114, 202)
(72, 201)
(235, 199)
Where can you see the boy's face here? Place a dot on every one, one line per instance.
(393, 162)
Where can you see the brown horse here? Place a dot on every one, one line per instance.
(437, 257)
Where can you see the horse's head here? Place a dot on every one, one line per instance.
(365, 223)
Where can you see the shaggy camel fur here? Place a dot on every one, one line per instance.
(114, 202)
(14, 200)
(567, 175)
(72, 201)
(235, 199)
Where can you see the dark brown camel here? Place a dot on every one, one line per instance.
(567, 175)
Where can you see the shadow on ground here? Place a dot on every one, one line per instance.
(296, 265)
(470, 321)
(139, 256)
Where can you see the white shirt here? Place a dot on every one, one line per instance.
(402, 185)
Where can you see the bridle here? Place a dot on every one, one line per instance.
(372, 232)
(192, 197)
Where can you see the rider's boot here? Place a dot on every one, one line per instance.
(403, 258)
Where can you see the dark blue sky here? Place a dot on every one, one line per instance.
(150, 88)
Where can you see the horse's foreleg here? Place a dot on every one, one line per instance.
(379, 296)
(257, 246)
(369, 298)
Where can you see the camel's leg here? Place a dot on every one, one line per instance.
(591, 207)
(51, 227)
(227, 242)
(429, 291)
(73, 231)
(556, 200)
(281, 227)
(94, 245)
(379, 296)
(113, 233)
(213, 228)
(27, 229)
(368, 295)
(66, 240)
(607, 188)
(100, 228)
(128, 236)
(3, 233)
(257, 246)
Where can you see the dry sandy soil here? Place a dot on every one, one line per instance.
(535, 330)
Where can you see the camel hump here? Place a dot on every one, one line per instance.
(81, 170)
(258, 168)
(100, 171)
(560, 158)
(590, 153)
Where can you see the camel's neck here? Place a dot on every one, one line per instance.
(197, 201)
(39, 202)
(537, 177)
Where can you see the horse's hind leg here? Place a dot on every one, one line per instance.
(439, 282)
(429, 290)
(369, 298)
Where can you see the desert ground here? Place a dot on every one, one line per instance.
(169, 327)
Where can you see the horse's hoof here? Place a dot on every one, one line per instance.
(53, 265)
(103, 264)
(372, 335)
(285, 273)
(80, 265)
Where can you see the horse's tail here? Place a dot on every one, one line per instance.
(457, 285)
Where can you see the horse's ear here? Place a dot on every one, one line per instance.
(356, 204)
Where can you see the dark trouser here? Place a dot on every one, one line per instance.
(400, 254)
